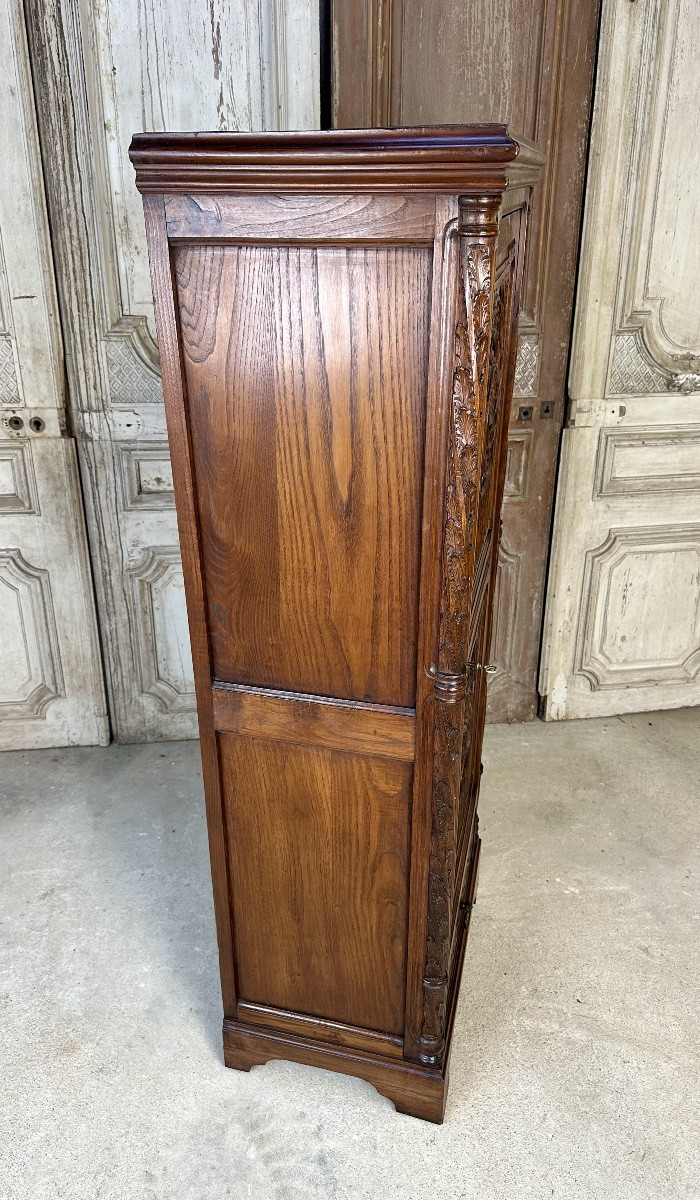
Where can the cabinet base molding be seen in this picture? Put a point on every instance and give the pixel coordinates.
(415, 1090)
(302, 1025)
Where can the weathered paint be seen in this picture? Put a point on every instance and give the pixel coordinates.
(622, 629)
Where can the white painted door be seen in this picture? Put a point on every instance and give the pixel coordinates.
(51, 689)
(622, 630)
(103, 72)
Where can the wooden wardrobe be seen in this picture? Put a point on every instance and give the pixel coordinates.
(336, 319)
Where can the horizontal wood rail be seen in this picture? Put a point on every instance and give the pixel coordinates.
(315, 721)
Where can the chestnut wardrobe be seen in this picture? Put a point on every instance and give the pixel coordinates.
(336, 319)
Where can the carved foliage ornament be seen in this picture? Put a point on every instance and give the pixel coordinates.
(469, 381)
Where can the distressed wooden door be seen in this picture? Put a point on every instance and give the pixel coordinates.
(400, 62)
(51, 690)
(623, 610)
(101, 73)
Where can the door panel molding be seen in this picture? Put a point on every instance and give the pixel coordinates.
(505, 614)
(164, 658)
(649, 459)
(18, 492)
(101, 73)
(30, 639)
(647, 128)
(622, 632)
(52, 691)
(656, 277)
(612, 649)
(518, 464)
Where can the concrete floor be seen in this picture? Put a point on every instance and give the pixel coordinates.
(575, 1064)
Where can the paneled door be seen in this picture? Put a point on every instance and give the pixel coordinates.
(529, 64)
(622, 631)
(51, 690)
(101, 73)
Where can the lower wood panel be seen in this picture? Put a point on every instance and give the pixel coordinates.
(319, 844)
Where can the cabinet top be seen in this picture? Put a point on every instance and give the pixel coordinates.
(438, 158)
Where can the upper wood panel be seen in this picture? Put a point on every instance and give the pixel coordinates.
(298, 218)
(306, 376)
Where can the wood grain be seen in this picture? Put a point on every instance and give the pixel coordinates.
(359, 218)
(319, 852)
(306, 720)
(306, 376)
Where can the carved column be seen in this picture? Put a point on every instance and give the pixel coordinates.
(478, 229)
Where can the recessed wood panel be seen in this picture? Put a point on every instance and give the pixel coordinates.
(647, 459)
(319, 854)
(306, 378)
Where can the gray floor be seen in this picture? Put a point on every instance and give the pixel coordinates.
(575, 1065)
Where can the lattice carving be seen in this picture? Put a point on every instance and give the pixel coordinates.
(631, 373)
(9, 386)
(526, 365)
(131, 381)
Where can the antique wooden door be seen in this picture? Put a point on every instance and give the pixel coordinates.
(623, 609)
(51, 690)
(400, 62)
(101, 73)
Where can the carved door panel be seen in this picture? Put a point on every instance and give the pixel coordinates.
(101, 73)
(622, 631)
(397, 62)
(51, 688)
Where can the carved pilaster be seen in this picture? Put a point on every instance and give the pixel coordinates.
(450, 675)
